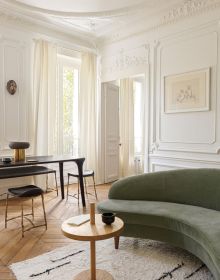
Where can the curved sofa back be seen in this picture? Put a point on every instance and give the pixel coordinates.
(199, 187)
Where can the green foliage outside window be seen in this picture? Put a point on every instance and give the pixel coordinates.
(68, 99)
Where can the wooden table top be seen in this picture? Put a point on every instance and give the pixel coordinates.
(98, 231)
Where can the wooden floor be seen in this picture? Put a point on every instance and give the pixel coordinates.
(14, 248)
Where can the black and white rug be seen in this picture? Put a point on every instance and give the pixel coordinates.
(136, 259)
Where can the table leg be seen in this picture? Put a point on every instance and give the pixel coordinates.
(61, 179)
(79, 163)
(92, 260)
(93, 273)
(116, 238)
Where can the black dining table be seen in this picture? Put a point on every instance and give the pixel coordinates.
(34, 160)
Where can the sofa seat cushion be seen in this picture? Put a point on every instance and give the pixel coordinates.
(200, 224)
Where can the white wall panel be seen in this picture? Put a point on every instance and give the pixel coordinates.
(185, 55)
(14, 122)
(14, 109)
(11, 102)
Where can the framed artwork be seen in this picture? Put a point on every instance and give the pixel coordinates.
(187, 92)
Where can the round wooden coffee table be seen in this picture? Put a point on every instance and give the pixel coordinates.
(93, 232)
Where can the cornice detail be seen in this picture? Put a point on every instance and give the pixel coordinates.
(188, 8)
(93, 25)
(33, 24)
(9, 18)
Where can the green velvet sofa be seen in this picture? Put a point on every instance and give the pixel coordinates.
(181, 207)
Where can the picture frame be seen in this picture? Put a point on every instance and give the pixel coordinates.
(187, 92)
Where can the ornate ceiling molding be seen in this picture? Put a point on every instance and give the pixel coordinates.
(6, 18)
(48, 29)
(103, 27)
(187, 9)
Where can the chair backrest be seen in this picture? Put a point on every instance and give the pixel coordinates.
(200, 187)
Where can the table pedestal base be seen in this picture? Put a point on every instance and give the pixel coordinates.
(100, 275)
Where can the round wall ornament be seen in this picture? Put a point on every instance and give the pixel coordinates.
(11, 87)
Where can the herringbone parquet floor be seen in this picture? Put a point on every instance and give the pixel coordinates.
(14, 248)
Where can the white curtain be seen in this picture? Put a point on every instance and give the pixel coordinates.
(126, 117)
(44, 103)
(44, 98)
(88, 112)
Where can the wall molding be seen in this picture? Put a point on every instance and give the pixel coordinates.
(167, 164)
(206, 161)
(208, 146)
(124, 61)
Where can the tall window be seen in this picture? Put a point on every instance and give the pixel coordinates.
(68, 130)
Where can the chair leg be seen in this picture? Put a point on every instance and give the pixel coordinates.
(6, 210)
(93, 177)
(67, 187)
(45, 218)
(32, 207)
(47, 182)
(22, 219)
(55, 174)
(85, 185)
(78, 192)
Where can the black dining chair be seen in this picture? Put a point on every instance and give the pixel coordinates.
(86, 174)
(25, 193)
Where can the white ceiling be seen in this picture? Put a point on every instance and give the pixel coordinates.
(96, 19)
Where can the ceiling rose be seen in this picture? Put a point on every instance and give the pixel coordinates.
(81, 6)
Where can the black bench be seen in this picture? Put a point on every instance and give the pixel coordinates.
(13, 172)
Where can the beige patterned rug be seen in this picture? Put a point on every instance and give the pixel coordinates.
(136, 259)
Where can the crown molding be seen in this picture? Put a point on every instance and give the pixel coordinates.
(91, 29)
(35, 25)
(187, 9)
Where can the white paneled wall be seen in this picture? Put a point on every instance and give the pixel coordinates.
(14, 108)
(176, 140)
(15, 64)
(195, 131)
